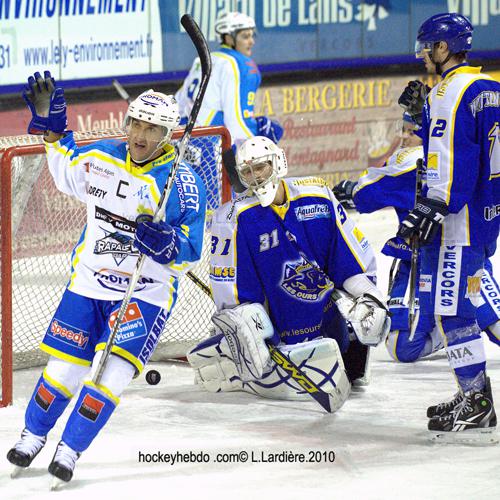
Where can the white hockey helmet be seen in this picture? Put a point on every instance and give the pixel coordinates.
(156, 108)
(229, 23)
(251, 159)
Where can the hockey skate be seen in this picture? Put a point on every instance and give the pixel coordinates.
(24, 451)
(442, 408)
(63, 464)
(471, 421)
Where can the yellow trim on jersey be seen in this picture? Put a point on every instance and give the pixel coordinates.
(96, 153)
(467, 224)
(282, 210)
(452, 132)
(237, 97)
(209, 119)
(103, 389)
(353, 252)
(61, 388)
(362, 185)
(76, 260)
(62, 355)
(235, 262)
(123, 354)
(185, 230)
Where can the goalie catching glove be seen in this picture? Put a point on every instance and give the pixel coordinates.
(367, 315)
(46, 103)
(157, 240)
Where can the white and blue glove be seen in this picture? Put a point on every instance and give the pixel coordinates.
(269, 128)
(46, 103)
(157, 240)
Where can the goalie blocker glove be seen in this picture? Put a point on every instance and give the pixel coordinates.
(343, 192)
(413, 98)
(46, 103)
(157, 240)
(424, 220)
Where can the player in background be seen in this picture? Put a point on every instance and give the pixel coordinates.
(235, 79)
(393, 185)
(277, 252)
(457, 217)
(121, 183)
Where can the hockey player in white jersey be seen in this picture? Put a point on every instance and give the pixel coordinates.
(277, 253)
(121, 184)
(393, 185)
(230, 95)
(456, 218)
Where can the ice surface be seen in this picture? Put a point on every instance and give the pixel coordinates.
(379, 438)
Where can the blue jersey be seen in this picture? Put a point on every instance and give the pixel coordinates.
(230, 96)
(461, 133)
(102, 176)
(271, 255)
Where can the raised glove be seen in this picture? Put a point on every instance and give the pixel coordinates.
(157, 240)
(343, 192)
(269, 128)
(424, 220)
(46, 103)
(413, 99)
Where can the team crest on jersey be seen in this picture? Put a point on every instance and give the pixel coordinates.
(302, 280)
(119, 245)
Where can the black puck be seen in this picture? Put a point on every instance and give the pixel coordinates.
(153, 377)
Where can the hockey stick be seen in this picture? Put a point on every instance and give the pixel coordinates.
(413, 310)
(201, 46)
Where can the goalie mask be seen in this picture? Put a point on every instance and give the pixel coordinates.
(149, 124)
(260, 164)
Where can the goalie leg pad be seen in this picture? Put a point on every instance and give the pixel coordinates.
(320, 360)
(213, 366)
(246, 327)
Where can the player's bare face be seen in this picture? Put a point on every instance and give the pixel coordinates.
(143, 140)
(245, 40)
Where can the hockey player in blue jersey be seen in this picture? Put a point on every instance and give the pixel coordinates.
(457, 217)
(121, 183)
(230, 96)
(393, 185)
(277, 252)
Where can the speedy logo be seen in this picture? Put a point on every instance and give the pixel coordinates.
(68, 334)
(309, 212)
(303, 281)
(133, 325)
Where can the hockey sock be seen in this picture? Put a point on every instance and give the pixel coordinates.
(47, 404)
(90, 414)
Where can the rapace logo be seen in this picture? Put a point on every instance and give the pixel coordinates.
(303, 281)
(117, 244)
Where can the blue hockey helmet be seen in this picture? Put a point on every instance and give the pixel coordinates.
(450, 27)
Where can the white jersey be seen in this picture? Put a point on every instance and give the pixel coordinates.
(230, 95)
(115, 191)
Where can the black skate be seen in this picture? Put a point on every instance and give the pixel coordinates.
(472, 420)
(63, 464)
(442, 408)
(25, 450)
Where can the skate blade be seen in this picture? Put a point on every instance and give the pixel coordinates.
(56, 484)
(16, 471)
(473, 437)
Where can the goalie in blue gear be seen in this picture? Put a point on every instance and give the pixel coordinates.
(108, 176)
(278, 251)
(456, 218)
(230, 95)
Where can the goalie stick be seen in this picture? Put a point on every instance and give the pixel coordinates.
(201, 46)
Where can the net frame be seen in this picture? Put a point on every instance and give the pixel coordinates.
(22, 146)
